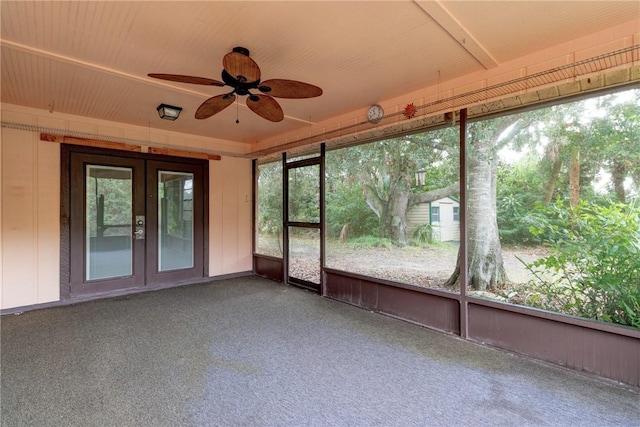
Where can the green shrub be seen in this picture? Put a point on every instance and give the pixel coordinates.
(593, 269)
(367, 242)
(520, 188)
(423, 234)
(345, 205)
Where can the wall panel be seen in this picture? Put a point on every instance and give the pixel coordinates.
(30, 219)
(18, 226)
(230, 216)
(427, 307)
(216, 177)
(245, 220)
(48, 221)
(602, 349)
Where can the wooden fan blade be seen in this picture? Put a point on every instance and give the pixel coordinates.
(281, 88)
(214, 105)
(266, 107)
(238, 64)
(187, 79)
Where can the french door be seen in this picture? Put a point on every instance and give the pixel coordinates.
(134, 222)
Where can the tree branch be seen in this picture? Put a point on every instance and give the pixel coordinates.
(372, 199)
(431, 195)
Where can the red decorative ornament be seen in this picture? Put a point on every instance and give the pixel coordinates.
(410, 110)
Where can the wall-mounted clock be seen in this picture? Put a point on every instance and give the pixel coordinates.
(375, 114)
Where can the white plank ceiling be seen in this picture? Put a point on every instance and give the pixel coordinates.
(91, 58)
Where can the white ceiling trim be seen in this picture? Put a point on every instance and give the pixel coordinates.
(451, 25)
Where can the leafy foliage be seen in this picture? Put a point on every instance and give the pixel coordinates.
(269, 209)
(116, 195)
(423, 233)
(519, 191)
(345, 205)
(367, 242)
(270, 198)
(383, 174)
(587, 150)
(304, 194)
(593, 270)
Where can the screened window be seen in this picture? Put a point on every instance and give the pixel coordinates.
(269, 210)
(378, 213)
(565, 186)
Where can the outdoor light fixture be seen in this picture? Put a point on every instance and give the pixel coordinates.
(168, 112)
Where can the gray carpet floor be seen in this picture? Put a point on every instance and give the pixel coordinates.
(249, 352)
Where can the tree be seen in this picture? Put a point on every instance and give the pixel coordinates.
(565, 127)
(521, 188)
(385, 170)
(269, 209)
(614, 137)
(572, 137)
(486, 138)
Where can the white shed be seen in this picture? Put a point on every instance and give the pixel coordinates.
(443, 215)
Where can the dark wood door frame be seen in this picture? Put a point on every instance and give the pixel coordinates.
(68, 251)
(78, 244)
(154, 276)
(320, 226)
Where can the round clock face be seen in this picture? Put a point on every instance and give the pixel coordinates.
(375, 114)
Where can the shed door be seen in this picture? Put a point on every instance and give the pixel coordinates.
(447, 226)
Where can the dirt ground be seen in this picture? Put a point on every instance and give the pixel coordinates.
(422, 266)
(429, 267)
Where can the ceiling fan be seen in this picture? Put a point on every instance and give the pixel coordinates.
(243, 75)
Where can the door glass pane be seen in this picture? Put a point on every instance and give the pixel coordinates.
(175, 220)
(108, 220)
(304, 194)
(304, 254)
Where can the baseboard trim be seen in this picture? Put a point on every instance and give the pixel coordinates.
(120, 293)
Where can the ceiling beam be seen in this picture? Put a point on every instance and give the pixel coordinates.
(451, 25)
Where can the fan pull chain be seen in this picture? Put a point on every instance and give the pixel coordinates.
(237, 108)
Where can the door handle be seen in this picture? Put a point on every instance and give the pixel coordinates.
(139, 233)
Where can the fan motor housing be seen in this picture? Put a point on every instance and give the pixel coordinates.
(242, 50)
(240, 84)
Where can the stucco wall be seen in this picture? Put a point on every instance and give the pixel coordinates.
(30, 210)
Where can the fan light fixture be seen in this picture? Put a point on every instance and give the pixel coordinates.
(168, 112)
(242, 75)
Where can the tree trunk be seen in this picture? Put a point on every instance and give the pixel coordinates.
(618, 175)
(486, 267)
(550, 187)
(394, 221)
(635, 176)
(485, 263)
(574, 178)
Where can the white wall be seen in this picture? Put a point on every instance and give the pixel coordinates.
(30, 209)
(230, 248)
(30, 220)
